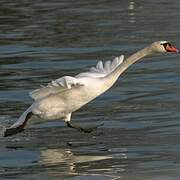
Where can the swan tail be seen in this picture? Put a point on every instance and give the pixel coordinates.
(19, 125)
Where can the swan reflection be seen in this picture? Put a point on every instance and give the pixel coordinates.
(56, 156)
(65, 159)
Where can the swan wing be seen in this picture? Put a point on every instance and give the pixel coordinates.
(102, 69)
(56, 86)
(67, 82)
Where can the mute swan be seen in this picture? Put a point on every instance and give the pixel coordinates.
(67, 94)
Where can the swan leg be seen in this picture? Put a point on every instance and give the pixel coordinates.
(85, 128)
(14, 130)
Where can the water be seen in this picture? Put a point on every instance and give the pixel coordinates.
(41, 41)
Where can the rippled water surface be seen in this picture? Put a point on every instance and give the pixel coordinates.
(44, 40)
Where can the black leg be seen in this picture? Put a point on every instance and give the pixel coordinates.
(20, 128)
(86, 129)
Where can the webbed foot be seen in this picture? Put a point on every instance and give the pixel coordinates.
(4, 132)
(85, 128)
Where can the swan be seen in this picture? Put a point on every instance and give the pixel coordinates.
(63, 96)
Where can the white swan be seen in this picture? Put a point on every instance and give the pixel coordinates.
(67, 94)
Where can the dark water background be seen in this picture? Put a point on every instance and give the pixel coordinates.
(44, 40)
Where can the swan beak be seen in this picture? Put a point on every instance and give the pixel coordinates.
(171, 49)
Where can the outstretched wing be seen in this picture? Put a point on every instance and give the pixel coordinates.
(102, 70)
(56, 86)
(68, 82)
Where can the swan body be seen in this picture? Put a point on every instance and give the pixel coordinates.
(61, 97)
(67, 94)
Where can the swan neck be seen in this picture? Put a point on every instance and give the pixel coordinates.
(135, 57)
(132, 59)
(129, 61)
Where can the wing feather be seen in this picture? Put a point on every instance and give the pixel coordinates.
(101, 70)
(56, 86)
(68, 82)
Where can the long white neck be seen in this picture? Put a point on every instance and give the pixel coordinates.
(112, 77)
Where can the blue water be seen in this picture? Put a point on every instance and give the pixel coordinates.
(41, 41)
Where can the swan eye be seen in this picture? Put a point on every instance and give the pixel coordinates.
(167, 45)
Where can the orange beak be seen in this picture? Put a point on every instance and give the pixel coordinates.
(171, 49)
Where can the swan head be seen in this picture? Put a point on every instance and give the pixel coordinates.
(163, 46)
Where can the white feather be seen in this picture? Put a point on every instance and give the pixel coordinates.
(99, 66)
(68, 82)
(101, 69)
(55, 86)
(107, 66)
